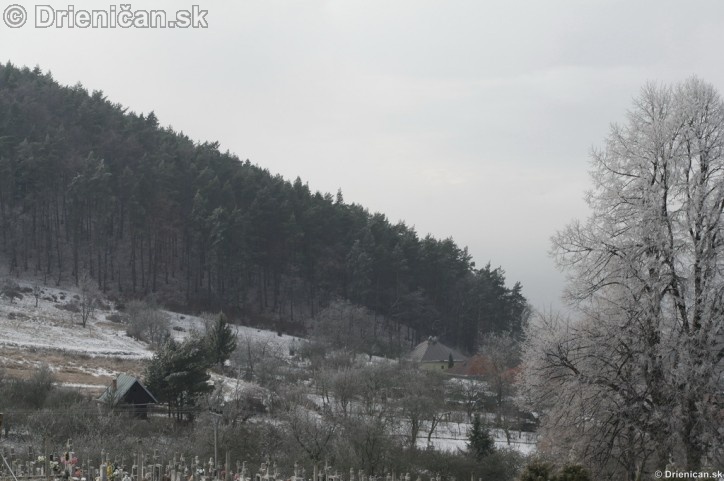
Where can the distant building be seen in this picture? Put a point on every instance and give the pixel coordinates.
(434, 355)
(127, 394)
(482, 367)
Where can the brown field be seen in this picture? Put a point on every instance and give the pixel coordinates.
(67, 368)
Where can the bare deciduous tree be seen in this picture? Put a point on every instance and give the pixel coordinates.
(345, 387)
(89, 298)
(469, 392)
(37, 292)
(638, 375)
(346, 326)
(421, 400)
(501, 353)
(147, 322)
(312, 432)
(258, 359)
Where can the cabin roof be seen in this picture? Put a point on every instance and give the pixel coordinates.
(124, 383)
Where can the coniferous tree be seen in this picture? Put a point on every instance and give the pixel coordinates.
(480, 442)
(177, 375)
(86, 186)
(220, 341)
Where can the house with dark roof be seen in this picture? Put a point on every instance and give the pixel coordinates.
(126, 393)
(434, 355)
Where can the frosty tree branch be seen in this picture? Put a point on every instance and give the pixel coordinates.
(633, 382)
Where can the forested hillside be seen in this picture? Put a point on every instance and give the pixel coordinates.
(89, 188)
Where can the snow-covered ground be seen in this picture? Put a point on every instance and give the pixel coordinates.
(182, 325)
(88, 357)
(49, 326)
(453, 436)
(450, 436)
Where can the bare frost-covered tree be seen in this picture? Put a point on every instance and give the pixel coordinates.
(258, 359)
(421, 402)
(37, 292)
(89, 297)
(633, 383)
(501, 352)
(312, 432)
(146, 321)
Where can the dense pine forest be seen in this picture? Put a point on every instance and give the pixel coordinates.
(88, 188)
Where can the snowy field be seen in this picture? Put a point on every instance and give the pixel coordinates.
(182, 325)
(88, 357)
(50, 326)
(450, 436)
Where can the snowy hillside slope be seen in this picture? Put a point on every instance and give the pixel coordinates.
(182, 325)
(87, 357)
(51, 326)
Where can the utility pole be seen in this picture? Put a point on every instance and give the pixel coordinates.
(217, 416)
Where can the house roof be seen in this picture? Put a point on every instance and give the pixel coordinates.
(124, 383)
(480, 366)
(433, 350)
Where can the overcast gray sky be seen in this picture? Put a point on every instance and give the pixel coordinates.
(470, 119)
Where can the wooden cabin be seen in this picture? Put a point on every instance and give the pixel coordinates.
(127, 394)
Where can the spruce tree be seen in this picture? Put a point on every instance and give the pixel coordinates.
(177, 375)
(220, 341)
(480, 442)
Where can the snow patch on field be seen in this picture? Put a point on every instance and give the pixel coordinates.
(49, 326)
(451, 437)
(183, 325)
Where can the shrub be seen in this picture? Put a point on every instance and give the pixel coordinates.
(146, 322)
(11, 290)
(28, 393)
(70, 307)
(538, 470)
(573, 472)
